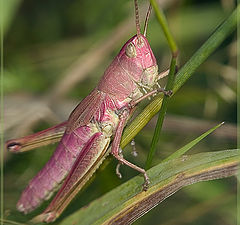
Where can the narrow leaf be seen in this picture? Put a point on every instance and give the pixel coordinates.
(188, 146)
(164, 24)
(161, 116)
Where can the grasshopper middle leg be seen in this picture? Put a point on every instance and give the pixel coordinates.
(115, 148)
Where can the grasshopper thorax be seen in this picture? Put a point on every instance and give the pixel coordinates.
(137, 59)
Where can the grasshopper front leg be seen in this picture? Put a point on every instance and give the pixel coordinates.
(132, 104)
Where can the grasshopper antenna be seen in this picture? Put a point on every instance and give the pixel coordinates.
(137, 19)
(147, 19)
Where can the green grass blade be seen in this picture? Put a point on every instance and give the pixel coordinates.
(161, 116)
(8, 13)
(127, 202)
(188, 146)
(174, 49)
(164, 24)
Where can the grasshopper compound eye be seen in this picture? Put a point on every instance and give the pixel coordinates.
(131, 50)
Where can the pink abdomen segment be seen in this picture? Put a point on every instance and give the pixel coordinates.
(43, 185)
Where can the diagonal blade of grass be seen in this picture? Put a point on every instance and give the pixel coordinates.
(9, 9)
(188, 146)
(127, 202)
(164, 24)
(161, 116)
(174, 49)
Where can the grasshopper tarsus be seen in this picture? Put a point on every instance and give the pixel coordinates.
(118, 171)
(165, 92)
(146, 182)
(168, 93)
(119, 164)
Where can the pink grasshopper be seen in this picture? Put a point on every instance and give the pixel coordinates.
(90, 127)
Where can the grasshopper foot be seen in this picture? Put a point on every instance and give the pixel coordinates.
(165, 92)
(118, 170)
(168, 93)
(146, 183)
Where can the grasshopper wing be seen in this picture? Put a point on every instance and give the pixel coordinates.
(80, 116)
(85, 110)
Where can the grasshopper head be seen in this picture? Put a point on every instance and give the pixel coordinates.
(137, 59)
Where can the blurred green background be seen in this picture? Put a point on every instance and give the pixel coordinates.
(56, 51)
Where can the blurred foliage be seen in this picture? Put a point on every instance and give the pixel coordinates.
(41, 42)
